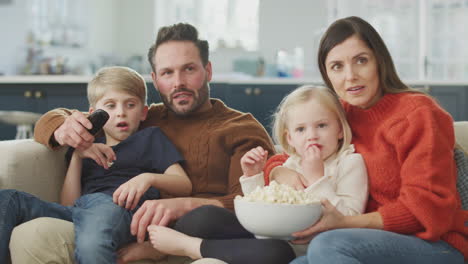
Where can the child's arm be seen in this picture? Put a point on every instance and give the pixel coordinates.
(173, 181)
(349, 194)
(288, 176)
(71, 189)
(252, 163)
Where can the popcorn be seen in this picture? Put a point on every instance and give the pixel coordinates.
(279, 193)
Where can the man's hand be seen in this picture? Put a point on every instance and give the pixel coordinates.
(253, 161)
(128, 194)
(157, 212)
(102, 154)
(289, 177)
(73, 132)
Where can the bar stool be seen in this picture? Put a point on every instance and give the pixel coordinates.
(23, 121)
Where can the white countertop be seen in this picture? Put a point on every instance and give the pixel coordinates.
(216, 79)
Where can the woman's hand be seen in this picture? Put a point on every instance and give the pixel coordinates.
(331, 219)
(253, 161)
(289, 177)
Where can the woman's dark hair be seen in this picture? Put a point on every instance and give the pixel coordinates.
(179, 32)
(344, 28)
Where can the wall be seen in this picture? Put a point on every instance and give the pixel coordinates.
(119, 28)
(287, 24)
(136, 31)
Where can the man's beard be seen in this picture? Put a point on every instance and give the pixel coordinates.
(198, 100)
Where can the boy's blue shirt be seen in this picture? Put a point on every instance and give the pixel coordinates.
(147, 150)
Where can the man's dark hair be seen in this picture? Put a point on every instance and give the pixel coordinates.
(179, 32)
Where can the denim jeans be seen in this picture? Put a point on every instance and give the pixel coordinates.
(368, 246)
(101, 226)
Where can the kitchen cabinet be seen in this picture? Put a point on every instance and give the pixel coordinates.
(453, 99)
(39, 98)
(42, 97)
(261, 100)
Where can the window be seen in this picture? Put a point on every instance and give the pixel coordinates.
(57, 23)
(229, 23)
(427, 38)
(396, 21)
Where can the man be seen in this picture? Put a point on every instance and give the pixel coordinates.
(211, 137)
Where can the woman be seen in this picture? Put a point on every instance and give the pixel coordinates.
(407, 140)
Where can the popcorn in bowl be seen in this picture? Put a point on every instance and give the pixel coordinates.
(277, 211)
(279, 194)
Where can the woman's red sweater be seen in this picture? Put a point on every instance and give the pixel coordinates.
(407, 141)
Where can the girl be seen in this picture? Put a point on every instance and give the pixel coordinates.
(311, 127)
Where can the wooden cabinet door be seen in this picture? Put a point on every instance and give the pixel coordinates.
(15, 97)
(261, 100)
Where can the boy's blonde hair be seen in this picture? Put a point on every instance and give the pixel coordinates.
(116, 78)
(301, 95)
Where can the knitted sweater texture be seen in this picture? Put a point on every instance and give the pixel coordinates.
(407, 141)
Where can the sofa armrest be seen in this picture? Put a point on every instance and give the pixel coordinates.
(29, 166)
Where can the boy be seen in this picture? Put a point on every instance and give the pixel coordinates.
(100, 198)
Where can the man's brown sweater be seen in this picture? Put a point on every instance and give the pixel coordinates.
(211, 142)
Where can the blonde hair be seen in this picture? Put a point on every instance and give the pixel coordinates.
(116, 78)
(301, 95)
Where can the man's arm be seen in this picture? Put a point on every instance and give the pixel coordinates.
(64, 127)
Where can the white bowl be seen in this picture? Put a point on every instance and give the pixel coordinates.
(279, 221)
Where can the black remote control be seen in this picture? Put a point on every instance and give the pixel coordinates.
(98, 118)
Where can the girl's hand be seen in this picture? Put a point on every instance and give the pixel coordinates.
(312, 164)
(102, 154)
(128, 194)
(331, 219)
(289, 177)
(253, 161)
